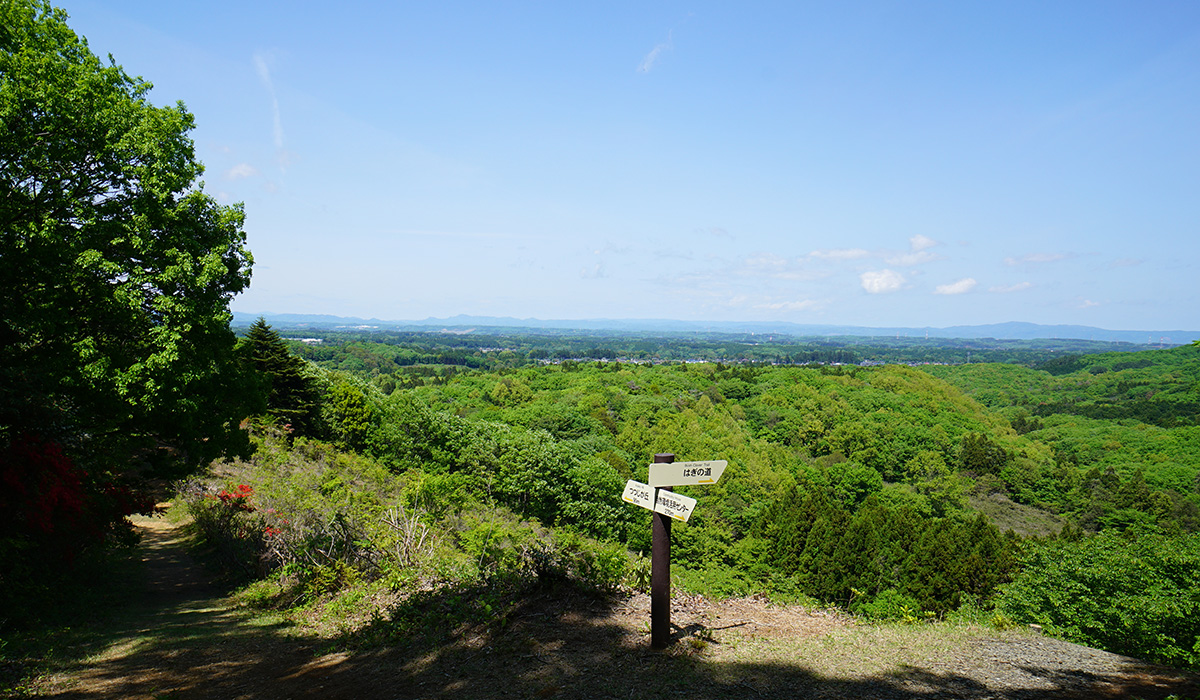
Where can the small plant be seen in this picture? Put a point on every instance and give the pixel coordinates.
(893, 605)
(637, 576)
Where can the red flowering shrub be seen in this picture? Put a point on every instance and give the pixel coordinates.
(228, 523)
(51, 511)
(237, 499)
(41, 490)
(46, 498)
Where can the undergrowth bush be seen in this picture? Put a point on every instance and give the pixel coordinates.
(1131, 593)
(313, 522)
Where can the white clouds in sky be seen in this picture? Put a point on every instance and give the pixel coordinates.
(800, 305)
(241, 170)
(1036, 258)
(777, 267)
(264, 74)
(596, 272)
(909, 259)
(1005, 289)
(918, 254)
(920, 242)
(960, 287)
(841, 254)
(651, 58)
(882, 281)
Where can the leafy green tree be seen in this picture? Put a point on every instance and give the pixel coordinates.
(290, 390)
(931, 477)
(349, 415)
(117, 268)
(116, 272)
(851, 483)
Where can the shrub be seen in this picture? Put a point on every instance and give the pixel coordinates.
(52, 514)
(1131, 593)
(891, 604)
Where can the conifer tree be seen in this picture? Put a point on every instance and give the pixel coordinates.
(290, 391)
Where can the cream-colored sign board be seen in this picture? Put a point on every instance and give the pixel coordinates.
(639, 494)
(686, 473)
(675, 505)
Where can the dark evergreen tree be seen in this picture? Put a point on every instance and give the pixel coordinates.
(982, 456)
(290, 390)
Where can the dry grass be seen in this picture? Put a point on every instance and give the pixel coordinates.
(1024, 520)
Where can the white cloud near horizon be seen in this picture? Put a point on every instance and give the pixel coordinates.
(881, 281)
(799, 305)
(917, 254)
(960, 287)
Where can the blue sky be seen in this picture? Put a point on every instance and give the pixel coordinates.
(867, 163)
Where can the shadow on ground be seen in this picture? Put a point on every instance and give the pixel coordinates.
(186, 642)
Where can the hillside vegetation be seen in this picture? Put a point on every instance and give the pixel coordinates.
(864, 487)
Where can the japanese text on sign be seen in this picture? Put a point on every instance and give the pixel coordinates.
(686, 473)
(639, 494)
(674, 505)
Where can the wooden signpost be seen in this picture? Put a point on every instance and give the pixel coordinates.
(667, 505)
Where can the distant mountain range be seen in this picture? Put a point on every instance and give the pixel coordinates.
(484, 324)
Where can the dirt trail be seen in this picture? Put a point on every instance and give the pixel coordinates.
(183, 639)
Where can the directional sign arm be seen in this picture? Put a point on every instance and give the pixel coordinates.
(687, 473)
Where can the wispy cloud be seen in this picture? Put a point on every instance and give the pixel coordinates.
(448, 235)
(1036, 258)
(909, 259)
(674, 254)
(1127, 262)
(882, 281)
(798, 305)
(241, 170)
(775, 266)
(1006, 289)
(841, 254)
(917, 254)
(920, 242)
(651, 58)
(960, 287)
(264, 74)
(612, 248)
(595, 272)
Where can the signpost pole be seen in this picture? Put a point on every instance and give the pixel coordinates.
(660, 573)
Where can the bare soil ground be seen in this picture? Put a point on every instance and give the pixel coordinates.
(184, 639)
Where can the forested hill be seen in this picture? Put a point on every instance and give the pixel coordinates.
(1134, 415)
